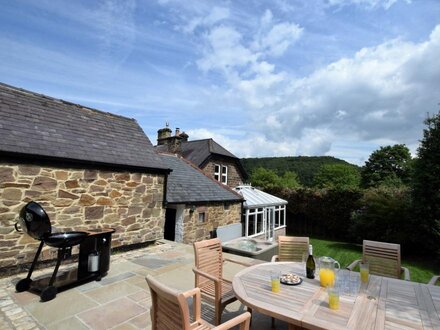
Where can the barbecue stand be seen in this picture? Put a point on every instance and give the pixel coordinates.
(94, 253)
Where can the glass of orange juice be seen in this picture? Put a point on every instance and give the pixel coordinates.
(333, 297)
(364, 271)
(275, 281)
(327, 277)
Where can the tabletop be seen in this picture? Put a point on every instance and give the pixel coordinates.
(384, 304)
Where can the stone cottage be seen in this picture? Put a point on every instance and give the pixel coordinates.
(89, 169)
(214, 160)
(196, 203)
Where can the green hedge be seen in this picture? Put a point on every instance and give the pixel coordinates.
(320, 212)
(381, 214)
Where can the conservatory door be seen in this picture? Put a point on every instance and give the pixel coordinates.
(269, 223)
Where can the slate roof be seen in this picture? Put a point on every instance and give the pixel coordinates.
(199, 150)
(40, 126)
(187, 184)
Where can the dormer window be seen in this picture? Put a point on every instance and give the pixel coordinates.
(221, 173)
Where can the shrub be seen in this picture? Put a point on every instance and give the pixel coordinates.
(384, 215)
(319, 212)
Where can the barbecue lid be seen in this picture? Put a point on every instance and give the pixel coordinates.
(34, 221)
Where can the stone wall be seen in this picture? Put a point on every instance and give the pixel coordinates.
(234, 176)
(78, 199)
(217, 214)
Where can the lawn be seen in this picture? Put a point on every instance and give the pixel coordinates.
(421, 270)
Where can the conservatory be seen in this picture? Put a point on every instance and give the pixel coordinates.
(264, 215)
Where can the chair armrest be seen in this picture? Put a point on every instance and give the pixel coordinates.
(405, 272)
(353, 264)
(275, 258)
(242, 319)
(206, 275)
(243, 263)
(195, 293)
(434, 280)
(191, 293)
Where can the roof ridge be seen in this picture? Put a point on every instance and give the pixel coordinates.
(35, 94)
(210, 145)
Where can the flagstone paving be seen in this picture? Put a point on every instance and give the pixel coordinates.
(121, 300)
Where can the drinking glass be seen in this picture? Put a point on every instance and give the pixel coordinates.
(275, 281)
(333, 297)
(343, 281)
(364, 271)
(354, 283)
(305, 256)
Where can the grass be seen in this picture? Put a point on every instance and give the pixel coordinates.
(421, 270)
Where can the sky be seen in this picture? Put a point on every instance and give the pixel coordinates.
(263, 78)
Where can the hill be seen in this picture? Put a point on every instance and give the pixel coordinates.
(305, 167)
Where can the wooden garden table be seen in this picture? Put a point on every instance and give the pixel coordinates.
(385, 304)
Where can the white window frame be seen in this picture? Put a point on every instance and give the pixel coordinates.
(281, 222)
(254, 212)
(217, 171)
(224, 175)
(219, 175)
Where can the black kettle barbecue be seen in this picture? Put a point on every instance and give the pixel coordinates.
(92, 264)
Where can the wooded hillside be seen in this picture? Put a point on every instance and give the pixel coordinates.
(305, 167)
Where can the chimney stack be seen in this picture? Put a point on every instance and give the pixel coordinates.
(172, 142)
(163, 135)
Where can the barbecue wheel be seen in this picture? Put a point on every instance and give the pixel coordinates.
(23, 285)
(48, 293)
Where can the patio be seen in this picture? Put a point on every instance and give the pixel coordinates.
(121, 300)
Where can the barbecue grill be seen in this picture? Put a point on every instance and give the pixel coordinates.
(94, 252)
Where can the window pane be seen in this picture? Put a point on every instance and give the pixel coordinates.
(217, 177)
(224, 169)
(202, 217)
(282, 219)
(277, 218)
(251, 228)
(259, 222)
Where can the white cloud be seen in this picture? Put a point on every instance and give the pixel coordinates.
(379, 96)
(225, 51)
(252, 78)
(216, 15)
(386, 4)
(280, 37)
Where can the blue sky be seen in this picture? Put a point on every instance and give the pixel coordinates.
(263, 78)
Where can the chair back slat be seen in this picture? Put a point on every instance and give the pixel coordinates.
(383, 258)
(209, 259)
(292, 248)
(166, 312)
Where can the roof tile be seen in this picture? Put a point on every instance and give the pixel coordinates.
(47, 126)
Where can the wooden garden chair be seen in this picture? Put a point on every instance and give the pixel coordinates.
(291, 248)
(383, 259)
(170, 310)
(208, 272)
(434, 280)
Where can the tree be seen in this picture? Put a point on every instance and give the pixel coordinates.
(264, 178)
(390, 165)
(426, 186)
(384, 215)
(290, 180)
(268, 179)
(337, 176)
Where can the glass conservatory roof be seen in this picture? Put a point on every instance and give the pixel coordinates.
(256, 198)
